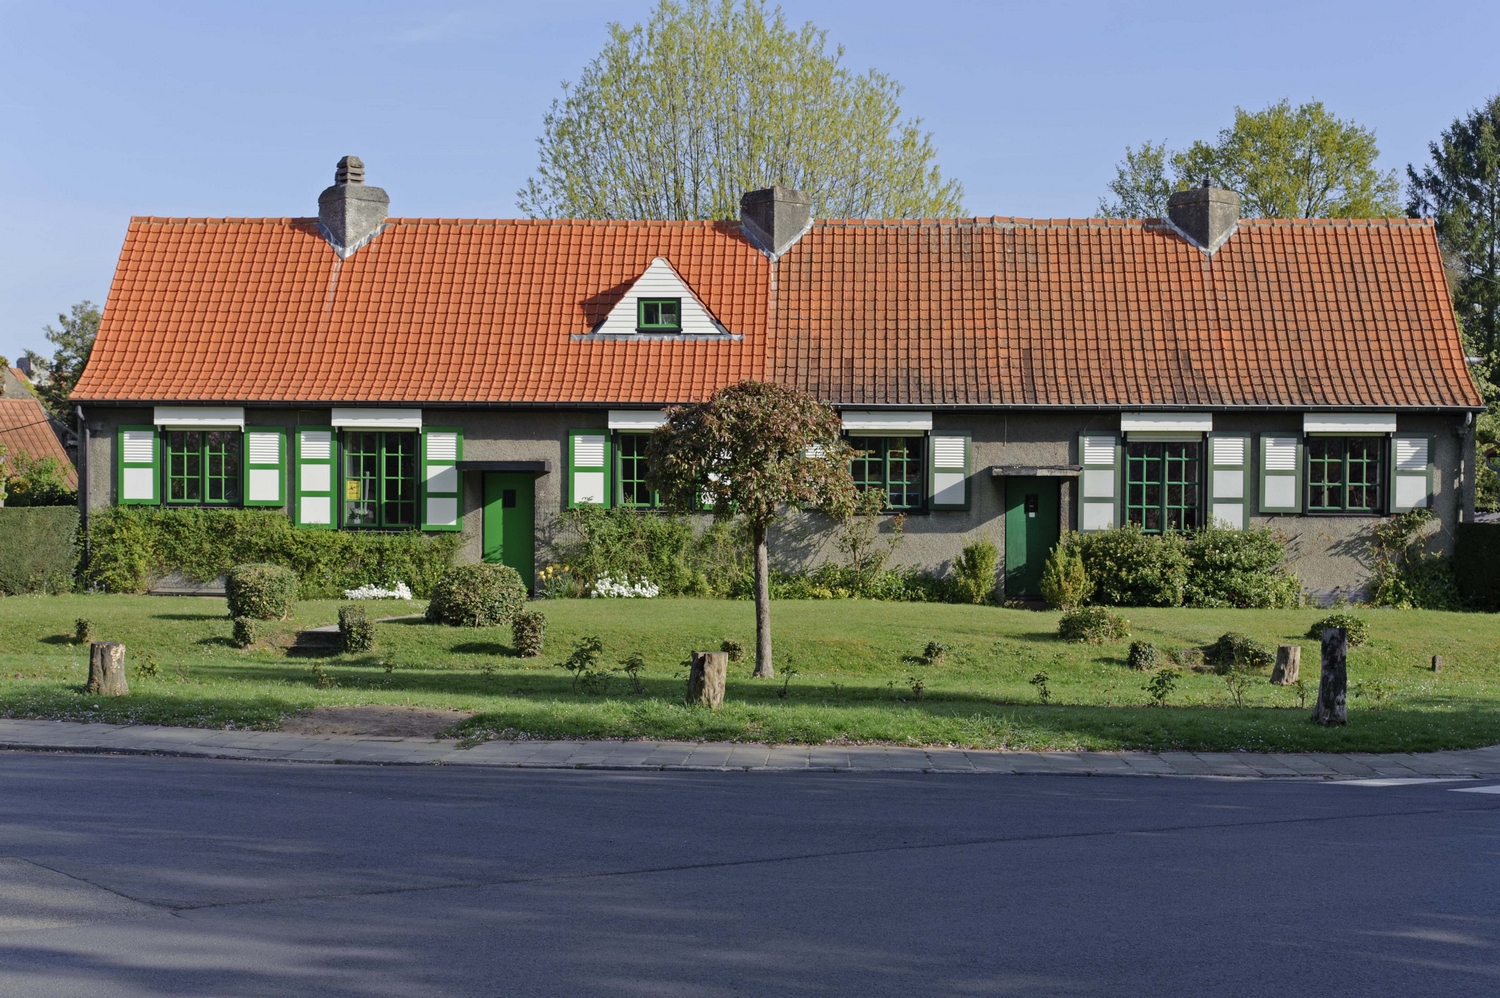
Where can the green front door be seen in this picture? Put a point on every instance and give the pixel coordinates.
(1031, 524)
(510, 522)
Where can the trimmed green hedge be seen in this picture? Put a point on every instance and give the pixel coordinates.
(131, 544)
(38, 549)
(1476, 563)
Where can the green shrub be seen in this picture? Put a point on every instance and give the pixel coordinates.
(527, 628)
(1065, 582)
(1129, 567)
(477, 596)
(1143, 656)
(131, 545)
(733, 649)
(262, 591)
(595, 541)
(38, 549)
(244, 632)
(83, 631)
(1094, 624)
(1236, 651)
(356, 631)
(1239, 568)
(1407, 577)
(974, 570)
(1356, 626)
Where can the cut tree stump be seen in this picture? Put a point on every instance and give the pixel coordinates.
(1437, 663)
(1288, 665)
(107, 669)
(1333, 684)
(706, 679)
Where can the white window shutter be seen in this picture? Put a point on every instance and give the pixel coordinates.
(948, 470)
(1281, 461)
(1099, 485)
(588, 468)
(442, 483)
(1411, 471)
(1228, 480)
(317, 450)
(138, 461)
(265, 466)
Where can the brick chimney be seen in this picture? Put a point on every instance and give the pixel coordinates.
(349, 213)
(1206, 215)
(774, 218)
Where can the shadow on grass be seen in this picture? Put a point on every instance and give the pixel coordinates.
(188, 616)
(57, 639)
(484, 648)
(221, 642)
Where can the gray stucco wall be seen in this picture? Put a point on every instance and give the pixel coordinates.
(1330, 553)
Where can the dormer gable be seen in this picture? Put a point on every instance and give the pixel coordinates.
(660, 303)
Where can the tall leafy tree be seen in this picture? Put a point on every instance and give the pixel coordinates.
(1283, 161)
(679, 117)
(74, 339)
(754, 450)
(1460, 190)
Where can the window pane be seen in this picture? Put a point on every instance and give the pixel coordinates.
(904, 471)
(650, 313)
(221, 457)
(399, 480)
(361, 479)
(633, 488)
(184, 466)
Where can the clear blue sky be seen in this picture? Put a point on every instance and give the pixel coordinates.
(109, 110)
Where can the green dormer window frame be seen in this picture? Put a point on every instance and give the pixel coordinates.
(658, 315)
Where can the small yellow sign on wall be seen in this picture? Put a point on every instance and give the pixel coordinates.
(351, 490)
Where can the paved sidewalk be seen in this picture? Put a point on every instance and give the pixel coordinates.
(69, 736)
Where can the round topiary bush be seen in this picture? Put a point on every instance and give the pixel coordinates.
(527, 628)
(356, 630)
(261, 591)
(477, 596)
(1143, 656)
(1356, 626)
(1094, 624)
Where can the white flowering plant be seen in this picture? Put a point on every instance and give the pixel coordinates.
(401, 591)
(622, 588)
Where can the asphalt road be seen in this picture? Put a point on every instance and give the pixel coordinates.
(131, 876)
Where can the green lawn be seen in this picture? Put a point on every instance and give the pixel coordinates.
(854, 668)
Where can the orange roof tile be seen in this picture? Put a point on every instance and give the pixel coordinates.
(25, 429)
(1000, 311)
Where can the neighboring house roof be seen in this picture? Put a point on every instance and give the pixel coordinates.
(1003, 312)
(26, 429)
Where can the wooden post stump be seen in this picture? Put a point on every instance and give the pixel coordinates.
(1333, 684)
(1437, 663)
(1288, 665)
(706, 679)
(107, 669)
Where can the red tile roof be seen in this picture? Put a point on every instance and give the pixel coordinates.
(1008, 312)
(25, 429)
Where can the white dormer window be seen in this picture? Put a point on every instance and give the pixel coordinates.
(660, 303)
(658, 315)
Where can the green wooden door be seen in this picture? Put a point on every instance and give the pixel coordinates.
(510, 522)
(1031, 531)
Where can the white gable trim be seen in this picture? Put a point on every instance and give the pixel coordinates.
(200, 417)
(1166, 422)
(378, 419)
(660, 281)
(1349, 422)
(897, 423)
(636, 419)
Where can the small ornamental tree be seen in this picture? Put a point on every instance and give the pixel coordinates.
(753, 450)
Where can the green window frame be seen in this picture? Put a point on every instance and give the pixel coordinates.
(893, 465)
(1164, 485)
(631, 471)
(1345, 474)
(658, 315)
(203, 467)
(379, 479)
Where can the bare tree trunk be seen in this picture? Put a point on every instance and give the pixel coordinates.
(763, 667)
(1288, 665)
(706, 679)
(107, 669)
(1333, 684)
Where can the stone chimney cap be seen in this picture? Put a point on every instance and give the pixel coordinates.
(775, 217)
(1206, 216)
(350, 214)
(351, 170)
